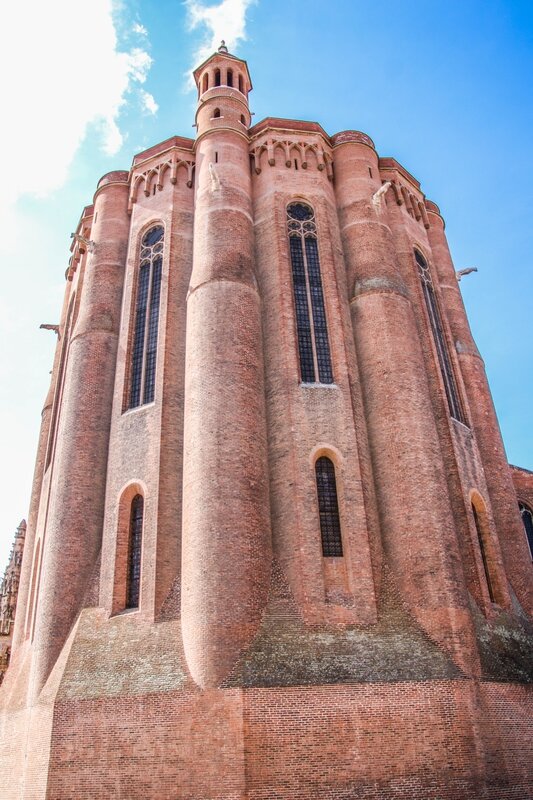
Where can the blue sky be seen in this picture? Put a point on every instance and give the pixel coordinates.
(443, 87)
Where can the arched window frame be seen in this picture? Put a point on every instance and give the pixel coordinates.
(145, 318)
(308, 295)
(527, 520)
(229, 78)
(444, 358)
(328, 507)
(217, 78)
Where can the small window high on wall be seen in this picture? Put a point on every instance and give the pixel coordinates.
(133, 577)
(311, 323)
(328, 507)
(144, 349)
(441, 345)
(527, 519)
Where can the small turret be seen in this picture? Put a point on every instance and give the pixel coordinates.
(223, 83)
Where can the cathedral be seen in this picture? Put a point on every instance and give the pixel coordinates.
(274, 548)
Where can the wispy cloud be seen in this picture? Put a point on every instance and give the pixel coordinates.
(69, 74)
(225, 20)
(148, 102)
(140, 29)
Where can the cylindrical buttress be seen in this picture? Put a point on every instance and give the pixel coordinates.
(500, 486)
(73, 531)
(416, 518)
(226, 521)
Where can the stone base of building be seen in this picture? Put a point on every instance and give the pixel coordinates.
(123, 719)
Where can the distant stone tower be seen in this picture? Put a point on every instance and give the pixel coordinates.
(274, 547)
(9, 589)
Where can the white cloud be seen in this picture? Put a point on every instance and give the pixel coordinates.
(140, 29)
(67, 73)
(148, 102)
(226, 20)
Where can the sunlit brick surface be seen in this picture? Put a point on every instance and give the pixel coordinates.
(256, 667)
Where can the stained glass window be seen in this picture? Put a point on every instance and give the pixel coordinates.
(311, 323)
(445, 363)
(145, 329)
(328, 507)
(527, 519)
(133, 586)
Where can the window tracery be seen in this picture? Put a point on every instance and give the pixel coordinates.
(441, 345)
(311, 323)
(144, 349)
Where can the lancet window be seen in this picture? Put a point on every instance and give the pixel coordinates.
(311, 323)
(133, 578)
(328, 507)
(144, 349)
(527, 519)
(437, 329)
(483, 549)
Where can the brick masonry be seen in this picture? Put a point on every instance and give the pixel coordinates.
(254, 668)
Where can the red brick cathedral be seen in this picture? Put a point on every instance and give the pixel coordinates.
(274, 549)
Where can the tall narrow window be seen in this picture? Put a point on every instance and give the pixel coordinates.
(241, 87)
(311, 324)
(229, 78)
(483, 550)
(144, 349)
(133, 584)
(328, 507)
(445, 363)
(217, 77)
(527, 519)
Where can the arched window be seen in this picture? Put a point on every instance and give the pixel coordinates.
(241, 87)
(205, 82)
(311, 324)
(133, 577)
(445, 363)
(217, 77)
(144, 349)
(481, 536)
(243, 119)
(216, 113)
(328, 507)
(527, 519)
(229, 78)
